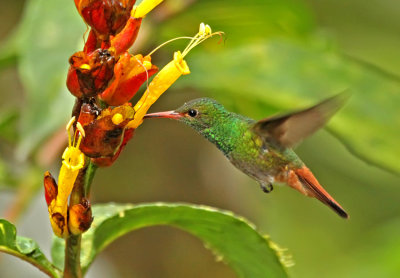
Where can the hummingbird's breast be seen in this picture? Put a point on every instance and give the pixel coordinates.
(258, 159)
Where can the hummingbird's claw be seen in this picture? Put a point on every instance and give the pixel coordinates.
(266, 187)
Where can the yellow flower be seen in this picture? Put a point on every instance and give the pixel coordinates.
(144, 8)
(168, 75)
(73, 161)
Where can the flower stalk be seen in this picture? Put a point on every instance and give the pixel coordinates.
(81, 190)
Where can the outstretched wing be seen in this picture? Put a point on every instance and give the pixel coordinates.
(290, 129)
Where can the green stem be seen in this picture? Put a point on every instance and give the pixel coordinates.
(90, 172)
(72, 263)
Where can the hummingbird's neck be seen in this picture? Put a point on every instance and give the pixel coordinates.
(212, 135)
(227, 133)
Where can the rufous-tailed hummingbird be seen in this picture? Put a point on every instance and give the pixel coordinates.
(262, 149)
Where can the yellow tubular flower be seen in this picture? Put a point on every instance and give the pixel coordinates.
(163, 80)
(168, 75)
(73, 161)
(144, 8)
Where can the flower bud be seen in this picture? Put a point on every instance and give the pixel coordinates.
(50, 188)
(80, 217)
(106, 17)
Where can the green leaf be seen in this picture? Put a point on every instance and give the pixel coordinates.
(9, 49)
(8, 135)
(7, 177)
(50, 32)
(284, 75)
(8, 124)
(24, 248)
(243, 21)
(230, 237)
(8, 54)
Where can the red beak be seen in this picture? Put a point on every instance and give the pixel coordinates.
(167, 114)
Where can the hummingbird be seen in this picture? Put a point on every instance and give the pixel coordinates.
(263, 149)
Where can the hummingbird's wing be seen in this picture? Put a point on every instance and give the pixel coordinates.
(290, 129)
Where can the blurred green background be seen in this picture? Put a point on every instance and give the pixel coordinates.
(277, 55)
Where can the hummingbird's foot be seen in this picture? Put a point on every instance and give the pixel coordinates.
(266, 187)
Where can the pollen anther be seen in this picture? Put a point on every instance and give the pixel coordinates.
(117, 119)
(85, 66)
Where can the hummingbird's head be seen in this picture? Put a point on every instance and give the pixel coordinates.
(199, 113)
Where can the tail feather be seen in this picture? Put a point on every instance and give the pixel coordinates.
(314, 189)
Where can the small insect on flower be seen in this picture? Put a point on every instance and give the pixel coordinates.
(73, 161)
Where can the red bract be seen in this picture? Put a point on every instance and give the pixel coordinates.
(129, 74)
(124, 39)
(88, 113)
(93, 43)
(89, 74)
(105, 135)
(120, 43)
(50, 188)
(108, 161)
(106, 17)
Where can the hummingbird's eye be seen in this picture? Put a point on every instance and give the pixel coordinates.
(192, 113)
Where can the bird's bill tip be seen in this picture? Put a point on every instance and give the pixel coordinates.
(167, 114)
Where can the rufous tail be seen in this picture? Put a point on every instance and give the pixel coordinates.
(304, 181)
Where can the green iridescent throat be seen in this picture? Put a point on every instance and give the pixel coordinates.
(226, 134)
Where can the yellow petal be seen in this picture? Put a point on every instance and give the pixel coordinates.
(163, 80)
(145, 7)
